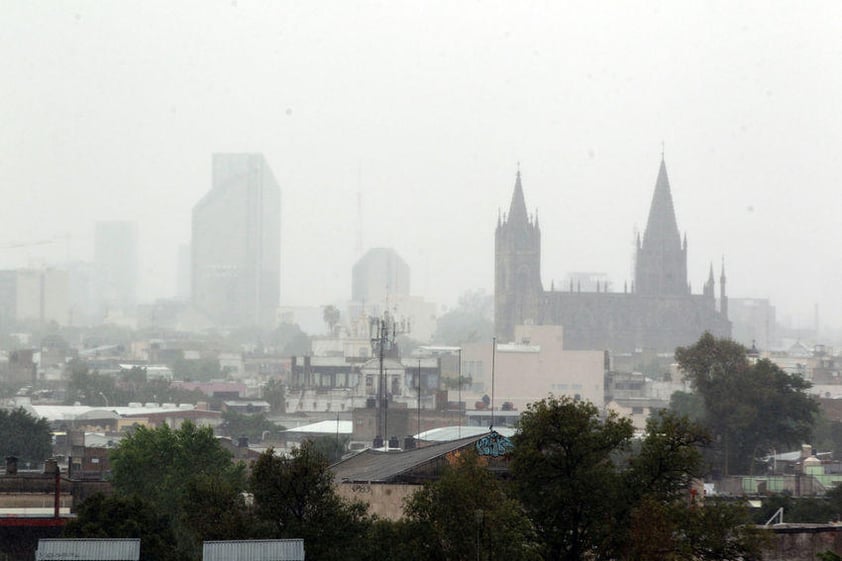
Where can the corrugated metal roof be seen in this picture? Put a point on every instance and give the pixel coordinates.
(446, 434)
(86, 549)
(382, 467)
(254, 550)
(326, 427)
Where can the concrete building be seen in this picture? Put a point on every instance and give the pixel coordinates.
(116, 264)
(754, 322)
(236, 244)
(535, 365)
(658, 311)
(379, 275)
(34, 295)
(380, 282)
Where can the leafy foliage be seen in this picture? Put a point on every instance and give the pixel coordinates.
(251, 426)
(157, 463)
(290, 340)
(591, 497)
(126, 517)
(468, 500)
(179, 479)
(469, 322)
(749, 408)
(214, 509)
(24, 436)
(274, 393)
(564, 474)
(331, 316)
(294, 497)
(330, 447)
(198, 370)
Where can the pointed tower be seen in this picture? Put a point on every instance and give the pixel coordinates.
(517, 268)
(661, 261)
(710, 289)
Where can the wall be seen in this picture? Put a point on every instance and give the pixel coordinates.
(384, 500)
(803, 542)
(535, 366)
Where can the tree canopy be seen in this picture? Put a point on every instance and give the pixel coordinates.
(24, 436)
(593, 493)
(564, 473)
(157, 463)
(749, 407)
(470, 321)
(294, 497)
(177, 470)
(120, 516)
(467, 513)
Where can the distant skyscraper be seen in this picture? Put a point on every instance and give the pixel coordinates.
(116, 263)
(380, 274)
(236, 255)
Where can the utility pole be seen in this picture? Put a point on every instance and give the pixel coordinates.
(384, 332)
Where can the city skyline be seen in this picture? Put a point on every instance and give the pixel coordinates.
(382, 132)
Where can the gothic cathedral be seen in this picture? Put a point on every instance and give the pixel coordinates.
(659, 312)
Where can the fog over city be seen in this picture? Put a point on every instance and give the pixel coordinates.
(402, 124)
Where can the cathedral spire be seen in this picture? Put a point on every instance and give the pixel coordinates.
(661, 265)
(662, 228)
(517, 210)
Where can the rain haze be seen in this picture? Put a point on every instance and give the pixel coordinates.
(403, 125)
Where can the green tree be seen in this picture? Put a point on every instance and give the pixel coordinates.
(251, 426)
(24, 436)
(170, 469)
(198, 370)
(120, 516)
(157, 463)
(290, 340)
(592, 495)
(331, 315)
(465, 515)
(564, 474)
(677, 531)
(331, 447)
(213, 509)
(660, 518)
(294, 497)
(274, 392)
(470, 321)
(750, 408)
(89, 388)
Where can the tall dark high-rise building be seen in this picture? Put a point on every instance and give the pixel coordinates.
(658, 312)
(236, 255)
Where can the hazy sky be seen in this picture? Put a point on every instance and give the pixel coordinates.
(111, 110)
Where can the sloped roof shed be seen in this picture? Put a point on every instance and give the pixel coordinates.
(254, 550)
(88, 549)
